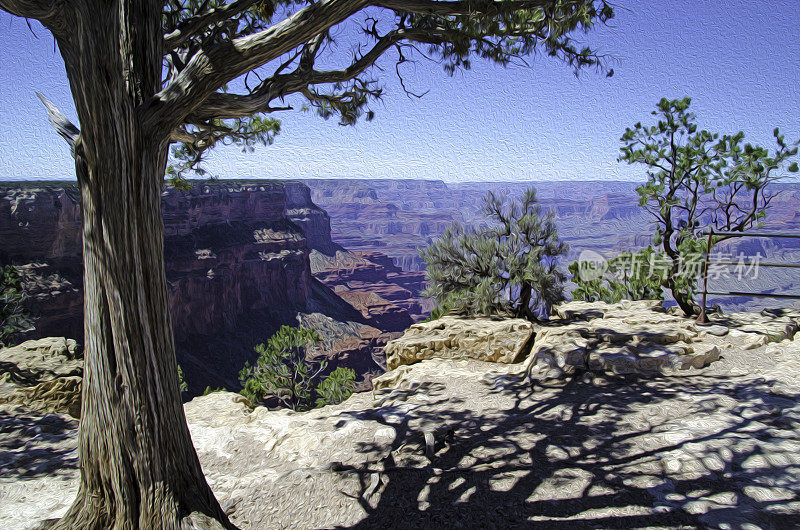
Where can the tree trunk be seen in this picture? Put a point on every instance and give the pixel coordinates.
(684, 300)
(524, 309)
(138, 466)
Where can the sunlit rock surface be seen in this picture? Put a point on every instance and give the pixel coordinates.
(449, 337)
(44, 375)
(466, 444)
(642, 338)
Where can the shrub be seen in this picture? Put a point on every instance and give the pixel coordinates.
(437, 313)
(281, 370)
(337, 387)
(13, 315)
(630, 276)
(181, 380)
(509, 267)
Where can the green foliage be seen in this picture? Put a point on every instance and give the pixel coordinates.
(437, 312)
(210, 390)
(499, 32)
(510, 267)
(243, 132)
(282, 370)
(182, 384)
(13, 315)
(697, 179)
(629, 276)
(337, 387)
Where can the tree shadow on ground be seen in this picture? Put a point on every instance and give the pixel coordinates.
(33, 446)
(668, 451)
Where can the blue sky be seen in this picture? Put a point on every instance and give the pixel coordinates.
(738, 60)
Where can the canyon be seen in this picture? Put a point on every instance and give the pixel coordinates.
(237, 266)
(340, 255)
(397, 217)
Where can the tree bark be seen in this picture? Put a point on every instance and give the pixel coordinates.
(138, 466)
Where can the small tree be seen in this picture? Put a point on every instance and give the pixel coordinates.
(510, 266)
(282, 370)
(337, 387)
(629, 276)
(13, 315)
(695, 179)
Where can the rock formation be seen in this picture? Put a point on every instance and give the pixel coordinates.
(237, 265)
(388, 297)
(450, 337)
(45, 375)
(460, 443)
(642, 338)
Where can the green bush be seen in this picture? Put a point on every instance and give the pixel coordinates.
(509, 267)
(182, 384)
(282, 371)
(337, 387)
(437, 313)
(13, 315)
(630, 276)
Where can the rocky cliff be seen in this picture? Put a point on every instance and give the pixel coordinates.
(398, 217)
(454, 442)
(237, 265)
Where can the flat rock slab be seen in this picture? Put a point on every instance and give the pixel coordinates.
(640, 337)
(481, 339)
(43, 374)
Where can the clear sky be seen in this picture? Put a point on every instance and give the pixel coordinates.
(738, 60)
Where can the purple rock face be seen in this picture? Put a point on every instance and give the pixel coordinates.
(229, 249)
(237, 266)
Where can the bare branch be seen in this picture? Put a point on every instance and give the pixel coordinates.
(61, 124)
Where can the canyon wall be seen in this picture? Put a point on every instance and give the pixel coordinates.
(397, 218)
(237, 266)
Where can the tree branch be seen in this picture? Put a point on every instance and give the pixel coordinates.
(209, 69)
(191, 27)
(61, 124)
(40, 10)
(224, 106)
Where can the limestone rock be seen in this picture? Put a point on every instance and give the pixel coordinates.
(630, 337)
(589, 310)
(482, 339)
(43, 359)
(43, 374)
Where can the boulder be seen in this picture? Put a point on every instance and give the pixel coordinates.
(630, 337)
(450, 337)
(43, 374)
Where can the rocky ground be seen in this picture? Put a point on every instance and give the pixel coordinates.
(464, 443)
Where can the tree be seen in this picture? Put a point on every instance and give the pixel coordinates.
(281, 370)
(13, 315)
(696, 179)
(508, 267)
(629, 276)
(145, 74)
(337, 387)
